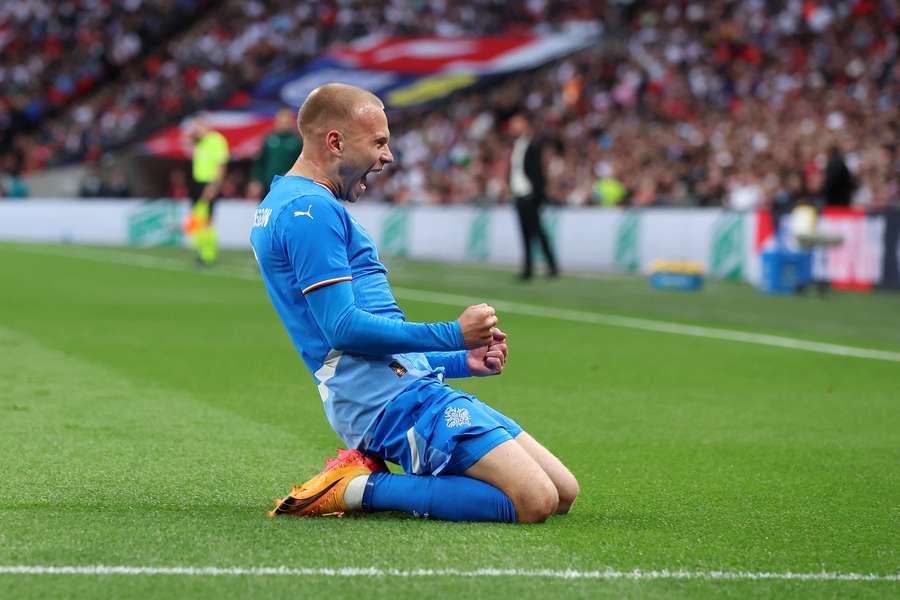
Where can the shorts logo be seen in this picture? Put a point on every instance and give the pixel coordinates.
(457, 417)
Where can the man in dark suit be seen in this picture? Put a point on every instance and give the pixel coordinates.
(839, 184)
(526, 182)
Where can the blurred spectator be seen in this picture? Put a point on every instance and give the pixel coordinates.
(279, 151)
(11, 183)
(787, 194)
(607, 189)
(744, 192)
(234, 185)
(837, 190)
(115, 185)
(103, 179)
(178, 185)
(91, 184)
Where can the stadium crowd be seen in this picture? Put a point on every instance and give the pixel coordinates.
(54, 53)
(728, 102)
(718, 103)
(231, 47)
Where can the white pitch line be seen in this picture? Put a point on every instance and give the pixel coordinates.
(544, 312)
(579, 316)
(635, 575)
(132, 259)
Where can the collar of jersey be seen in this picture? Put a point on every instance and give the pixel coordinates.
(324, 184)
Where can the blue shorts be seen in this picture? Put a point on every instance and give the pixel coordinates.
(431, 429)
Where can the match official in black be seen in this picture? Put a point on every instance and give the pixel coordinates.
(526, 182)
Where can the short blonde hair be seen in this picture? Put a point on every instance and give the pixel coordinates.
(333, 105)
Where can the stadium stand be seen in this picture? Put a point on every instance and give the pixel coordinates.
(231, 47)
(723, 103)
(55, 53)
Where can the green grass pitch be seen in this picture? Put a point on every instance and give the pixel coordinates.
(150, 412)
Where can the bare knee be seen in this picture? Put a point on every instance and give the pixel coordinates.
(537, 503)
(568, 491)
(512, 470)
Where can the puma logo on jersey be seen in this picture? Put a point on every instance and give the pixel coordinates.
(304, 213)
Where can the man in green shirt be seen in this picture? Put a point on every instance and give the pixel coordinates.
(279, 152)
(208, 164)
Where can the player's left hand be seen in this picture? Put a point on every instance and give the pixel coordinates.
(490, 359)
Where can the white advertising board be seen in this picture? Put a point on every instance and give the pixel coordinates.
(585, 239)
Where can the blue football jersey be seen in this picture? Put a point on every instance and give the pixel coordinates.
(304, 239)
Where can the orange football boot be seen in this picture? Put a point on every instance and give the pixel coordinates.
(323, 495)
(355, 457)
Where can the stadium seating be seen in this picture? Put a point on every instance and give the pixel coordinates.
(54, 53)
(722, 103)
(232, 46)
(714, 104)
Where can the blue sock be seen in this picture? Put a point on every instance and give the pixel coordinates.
(448, 498)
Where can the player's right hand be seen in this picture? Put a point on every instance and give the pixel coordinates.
(477, 323)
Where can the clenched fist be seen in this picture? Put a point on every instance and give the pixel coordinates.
(477, 323)
(490, 359)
